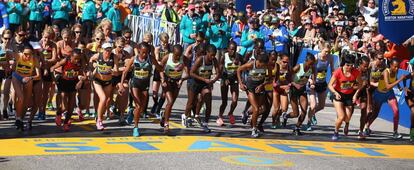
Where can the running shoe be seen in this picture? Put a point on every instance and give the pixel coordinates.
(274, 126)
(260, 128)
(335, 136)
(5, 115)
(130, 118)
(220, 121)
(285, 119)
(232, 120)
(135, 132)
(122, 121)
(205, 128)
(184, 120)
(58, 120)
(19, 125)
(189, 122)
(313, 120)
(198, 120)
(41, 116)
(346, 129)
(245, 117)
(162, 119)
(396, 135)
(10, 108)
(66, 127)
(297, 132)
(99, 125)
(29, 125)
(367, 132)
(166, 129)
(203, 110)
(81, 117)
(255, 133)
(309, 126)
(361, 135)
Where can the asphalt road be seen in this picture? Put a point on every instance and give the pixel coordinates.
(48, 147)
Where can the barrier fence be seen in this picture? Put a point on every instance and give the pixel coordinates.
(143, 24)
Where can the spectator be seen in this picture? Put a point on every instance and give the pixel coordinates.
(36, 18)
(199, 10)
(249, 11)
(169, 14)
(279, 36)
(114, 15)
(218, 34)
(189, 26)
(88, 19)
(4, 21)
(370, 12)
(61, 11)
(238, 28)
(249, 37)
(14, 10)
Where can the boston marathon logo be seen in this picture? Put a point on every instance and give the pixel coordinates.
(398, 10)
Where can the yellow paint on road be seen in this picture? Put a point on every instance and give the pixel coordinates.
(159, 144)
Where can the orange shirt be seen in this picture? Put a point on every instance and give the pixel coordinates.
(124, 10)
(397, 51)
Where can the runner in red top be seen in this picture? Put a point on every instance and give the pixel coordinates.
(345, 84)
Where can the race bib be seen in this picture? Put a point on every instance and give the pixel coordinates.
(175, 74)
(231, 68)
(321, 75)
(347, 85)
(141, 74)
(71, 74)
(104, 69)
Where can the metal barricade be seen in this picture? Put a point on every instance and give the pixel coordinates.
(143, 24)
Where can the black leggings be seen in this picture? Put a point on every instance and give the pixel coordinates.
(87, 28)
(35, 29)
(61, 23)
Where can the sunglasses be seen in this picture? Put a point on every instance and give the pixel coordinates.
(120, 47)
(367, 31)
(285, 62)
(99, 39)
(108, 49)
(380, 58)
(21, 35)
(77, 32)
(27, 53)
(6, 38)
(349, 65)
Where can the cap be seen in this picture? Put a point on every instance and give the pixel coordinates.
(287, 18)
(267, 18)
(367, 29)
(336, 7)
(214, 5)
(107, 45)
(308, 21)
(248, 6)
(342, 12)
(191, 6)
(275, 20)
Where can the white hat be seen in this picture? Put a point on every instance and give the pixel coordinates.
(107, 45)
(367, 29)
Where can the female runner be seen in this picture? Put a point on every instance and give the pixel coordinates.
(280, 90)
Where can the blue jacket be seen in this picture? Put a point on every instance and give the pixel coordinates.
(115, 16)
(190, 26)
(216, 38)
(14, 10)
(281, 39)
(206, 19)
(4, 21)
(235, 28)
(105, 7)
(267, 31)
(36, 10)
(59, 12)
(89, 11)
(247, 42)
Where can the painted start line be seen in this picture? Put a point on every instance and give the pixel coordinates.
(154, 144)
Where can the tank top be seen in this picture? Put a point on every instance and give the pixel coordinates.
(47, 53)
(302, 77)
(173, 70)
(381, 83)
(256, 76)
(230, 65)
(376, 73)
(142, 70)
(121, 61)
(321, 69)
(25, 68)
(193, 56)
(105, 67)
(95, 48)
(283, 77)
(164, 52)
(345, 84)
(205, 71)
(71, 70)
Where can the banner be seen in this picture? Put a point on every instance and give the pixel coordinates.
(396, 19)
